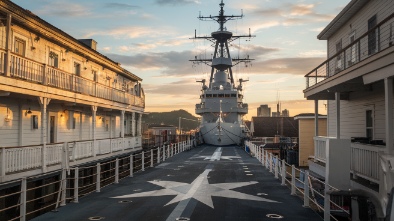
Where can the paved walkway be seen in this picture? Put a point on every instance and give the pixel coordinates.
(206, 183)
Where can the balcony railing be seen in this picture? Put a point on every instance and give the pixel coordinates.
(19, 159)
(374, 41)
(365, 161)
(30, 70)
(320, 149)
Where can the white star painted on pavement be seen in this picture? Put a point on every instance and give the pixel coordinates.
(200, 190)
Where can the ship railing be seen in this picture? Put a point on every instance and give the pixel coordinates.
(372, 42)
(67, 185)
(320, 149)
(29, 70)
(301, 183)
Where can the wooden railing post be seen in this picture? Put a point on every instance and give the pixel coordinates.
(63, 188)
(131, 165)
(23, 199)
(143, 160)
(98, 171)
(283, 172)
(3, 163)
(306, 189)
(76, 184)
(276, 168)
(151, 157)
(158, 155)
(117, 170)
(293, 180)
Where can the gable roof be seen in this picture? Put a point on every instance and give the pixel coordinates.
(347, 13)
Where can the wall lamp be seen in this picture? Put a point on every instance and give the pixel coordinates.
(28, 112)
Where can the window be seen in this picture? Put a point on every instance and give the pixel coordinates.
(372, 36)
(353, 49)
(369, 124)
(53, 59)
(20, 46)
(77, 68)
(94, 73)
(339, 57)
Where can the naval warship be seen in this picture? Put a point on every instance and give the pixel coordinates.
(221, 104)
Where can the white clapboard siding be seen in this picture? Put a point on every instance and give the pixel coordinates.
(353, 116)
(359, 23)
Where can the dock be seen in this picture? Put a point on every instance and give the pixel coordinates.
(204, 183)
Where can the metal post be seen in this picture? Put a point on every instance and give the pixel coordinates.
(76, 184)
(131, 165)
(143, 160)
(271, 162)
(151, 157)
(327, 204)
(172, 151)
(164, 153)
(63, 188)
(293, 179)
(98, 169)
(158, 155)
(2, 166)
(276, 168)
(23, 199)
(306, 189)
(117, 170)
(262, 157)
(283, 172)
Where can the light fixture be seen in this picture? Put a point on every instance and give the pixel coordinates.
(29, 111)
(37, 38)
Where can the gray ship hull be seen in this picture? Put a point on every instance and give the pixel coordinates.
(230, 134)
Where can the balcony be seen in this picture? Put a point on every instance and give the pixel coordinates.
(363, 50)
(19, 161)
(31, 71)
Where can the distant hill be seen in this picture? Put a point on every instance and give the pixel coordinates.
(171, 118)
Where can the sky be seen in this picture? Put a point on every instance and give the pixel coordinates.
(152, 39)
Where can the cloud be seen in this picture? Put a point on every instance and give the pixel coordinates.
(177, 2)
(295, 66)
(129, 32)
(289, 14)
(186, 86)
(120, 6)
(151, 45)
(64, 9)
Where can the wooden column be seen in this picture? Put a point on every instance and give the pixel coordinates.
(94, 111)
(44, 101)
(8, 46)
(133, 127)
(388, 95)
(338, 114)
(316, 118)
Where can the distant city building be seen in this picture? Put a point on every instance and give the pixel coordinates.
(263, 111)
(285, 113)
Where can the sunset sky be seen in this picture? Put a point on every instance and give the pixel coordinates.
(151, 39)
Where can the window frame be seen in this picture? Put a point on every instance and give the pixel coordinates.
(23, 42)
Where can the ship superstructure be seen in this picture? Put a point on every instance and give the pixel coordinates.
(221, 107)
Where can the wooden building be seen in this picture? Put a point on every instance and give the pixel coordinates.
(55, 89)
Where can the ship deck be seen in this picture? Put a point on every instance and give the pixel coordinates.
(205, 183)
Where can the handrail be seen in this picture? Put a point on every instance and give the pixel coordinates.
(28, 69)
(349, 46)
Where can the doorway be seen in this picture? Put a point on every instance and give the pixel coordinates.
(51, 129)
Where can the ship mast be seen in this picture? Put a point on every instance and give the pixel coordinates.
(221, 60)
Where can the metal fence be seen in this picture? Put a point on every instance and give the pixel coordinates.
(300, 183)
(29, 197)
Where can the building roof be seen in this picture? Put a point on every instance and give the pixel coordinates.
(309, 116)
(347, 13)
(271, 126)
(44, 29)
(161, 126)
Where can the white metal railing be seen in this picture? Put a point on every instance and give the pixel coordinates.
(82, 185)
(300, 182)
(365, 161)
(320, 148)
(18, 159)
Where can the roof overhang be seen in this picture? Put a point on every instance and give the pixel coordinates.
(347, 13)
